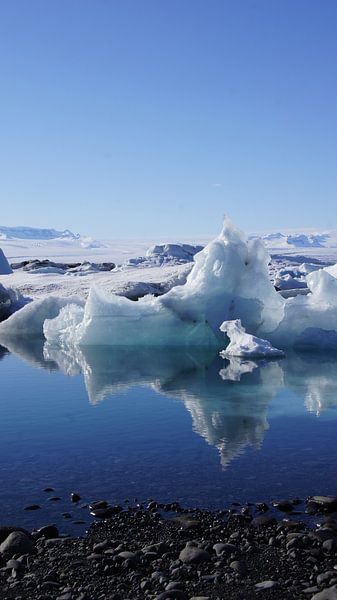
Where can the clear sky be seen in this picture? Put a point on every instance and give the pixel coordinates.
(136, 118)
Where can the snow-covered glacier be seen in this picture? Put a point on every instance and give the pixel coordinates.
(229, 281)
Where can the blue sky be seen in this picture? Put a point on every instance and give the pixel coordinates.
(136, 118)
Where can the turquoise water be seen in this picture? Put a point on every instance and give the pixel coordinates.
(190, 427)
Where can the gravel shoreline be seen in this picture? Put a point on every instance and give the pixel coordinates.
(168, 552)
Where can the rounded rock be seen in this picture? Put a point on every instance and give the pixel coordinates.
(193, 556)
(17, 543)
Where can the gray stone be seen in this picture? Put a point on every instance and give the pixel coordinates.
(174, 585)
(222, 548)
(17, 543)
(193, 556)
(238, 567)
(266, 585)
(263, 521)
(329, 545)
(128, 555)
(323, 534)
(327, 594)
(323, 503)
(159, 548)
(5, 531)
(325, 577)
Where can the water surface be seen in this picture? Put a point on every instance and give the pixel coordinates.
(176, 426)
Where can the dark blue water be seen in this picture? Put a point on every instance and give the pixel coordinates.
(189, 427)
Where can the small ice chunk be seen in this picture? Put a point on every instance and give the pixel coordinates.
(287, 282)
(244, 344)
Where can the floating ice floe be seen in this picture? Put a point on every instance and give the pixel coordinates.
(229, 280)
(244, 344)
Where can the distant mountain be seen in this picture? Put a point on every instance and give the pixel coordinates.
(35, 233)
(298, 239)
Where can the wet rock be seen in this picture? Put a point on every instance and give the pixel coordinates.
(75, 497)
(17, 543)
(98, 504)
(263, 521)
(48, 532)
(322, 504)
(283, 505)
(262, 507)
(32, 507)
(105, 513)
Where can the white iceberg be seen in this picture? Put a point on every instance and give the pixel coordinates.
(5, 268)
(244, 344)
(229, 280)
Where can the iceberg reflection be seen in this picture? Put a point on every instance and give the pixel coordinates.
(318, 375)
(228, 400)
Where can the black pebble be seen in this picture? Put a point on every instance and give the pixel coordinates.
(48, 532)
(75, 497)
(32, 507)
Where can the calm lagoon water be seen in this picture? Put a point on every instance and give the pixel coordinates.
(175, 426)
